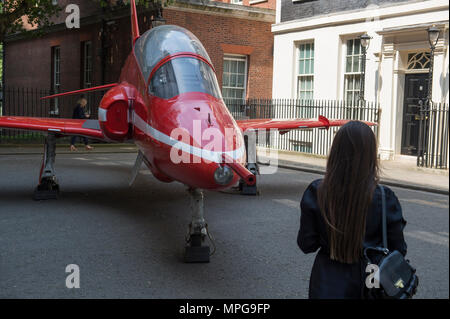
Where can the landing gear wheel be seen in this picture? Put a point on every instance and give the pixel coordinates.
(196, 249)
(196, 252)
(47, 189)
(248, 189)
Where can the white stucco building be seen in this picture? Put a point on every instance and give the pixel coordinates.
(317, 55)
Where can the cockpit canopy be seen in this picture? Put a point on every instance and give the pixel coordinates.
(181, 74)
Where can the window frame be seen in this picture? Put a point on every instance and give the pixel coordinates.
(299, 75)
(352, 75)
(241, 58)
(88, 66)
(56, 77)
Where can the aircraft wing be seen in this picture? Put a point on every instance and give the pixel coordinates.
(88, 128)
(285, 125)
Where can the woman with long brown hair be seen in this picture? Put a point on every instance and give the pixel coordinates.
(341, 215)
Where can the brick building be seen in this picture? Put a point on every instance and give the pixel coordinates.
(236, 35)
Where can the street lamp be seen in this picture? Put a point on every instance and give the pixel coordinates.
(433, 36)
(365, 41)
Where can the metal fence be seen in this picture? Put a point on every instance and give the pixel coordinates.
(433, 136)
(313, 141)
(27, 102)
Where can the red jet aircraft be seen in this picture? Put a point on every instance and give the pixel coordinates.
(168, 84)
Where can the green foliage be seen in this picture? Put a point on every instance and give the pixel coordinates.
(37, 13)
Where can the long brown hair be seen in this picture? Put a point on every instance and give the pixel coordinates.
(346, 192)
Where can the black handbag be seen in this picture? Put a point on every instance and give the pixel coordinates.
(397, 278)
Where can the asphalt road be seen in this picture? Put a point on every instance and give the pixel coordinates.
(128, 242)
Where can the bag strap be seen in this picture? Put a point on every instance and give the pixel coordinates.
(383, 220)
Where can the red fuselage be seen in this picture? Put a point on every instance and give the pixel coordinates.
(195, 127)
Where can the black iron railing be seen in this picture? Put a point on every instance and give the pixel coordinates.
(433, 136)
(28, 102)
(313, 141)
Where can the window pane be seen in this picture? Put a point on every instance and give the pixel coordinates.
(241, 67)
(307, 62)
(357, 46)
(348, 64)
(302, 51)
(234, 67)
(226, 66)
(302, 67)
(349, 47)
(349, 82)
(240, 80)
(355, 64)
(233, 80)
(357, 82)
(349, 97)
(302, 96)
(307, 50)
(226, 79)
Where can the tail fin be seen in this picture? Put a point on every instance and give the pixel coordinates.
(134, 22)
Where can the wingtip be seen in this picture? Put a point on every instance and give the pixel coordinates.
(324, 121)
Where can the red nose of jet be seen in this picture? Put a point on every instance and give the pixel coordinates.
(208, 138)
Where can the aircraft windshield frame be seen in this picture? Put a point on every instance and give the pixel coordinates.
(183, 75)
(163, 41)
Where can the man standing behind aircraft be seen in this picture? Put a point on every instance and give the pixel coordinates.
(79, 113)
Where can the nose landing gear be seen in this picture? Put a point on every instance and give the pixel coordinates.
(197, 251)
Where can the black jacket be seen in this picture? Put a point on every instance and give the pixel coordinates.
(78, 113)
(334, 280)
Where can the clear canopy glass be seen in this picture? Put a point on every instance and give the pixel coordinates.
(182, 75)
(162, 41)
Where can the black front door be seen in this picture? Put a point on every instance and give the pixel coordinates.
(416, 88)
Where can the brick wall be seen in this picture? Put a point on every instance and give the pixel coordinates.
(251, 38)
(28, 61)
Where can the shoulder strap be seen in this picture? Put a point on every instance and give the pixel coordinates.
(383, 216)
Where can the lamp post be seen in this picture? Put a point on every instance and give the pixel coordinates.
(365, 41)
(433, 36)
(422, 150)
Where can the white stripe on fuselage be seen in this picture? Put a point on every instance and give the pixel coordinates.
(196, 151)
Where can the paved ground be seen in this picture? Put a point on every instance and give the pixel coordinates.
(128, 241)
(402, 171)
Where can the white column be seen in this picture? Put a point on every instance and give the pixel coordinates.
(278, 11)
(387, 118)
(439, 73)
